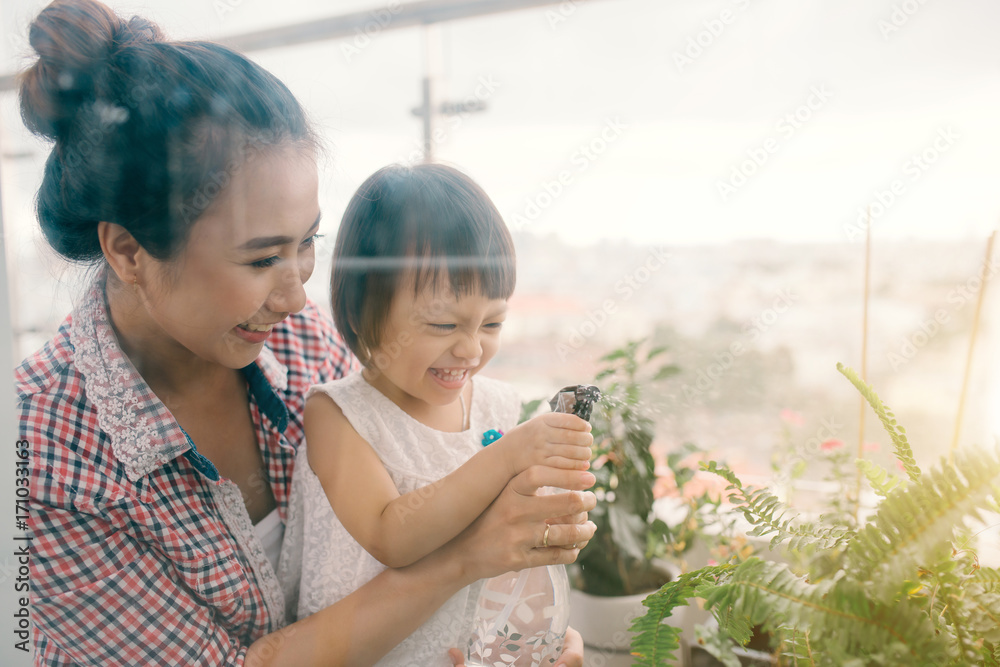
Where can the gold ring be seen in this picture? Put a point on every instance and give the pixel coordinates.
(545, 537)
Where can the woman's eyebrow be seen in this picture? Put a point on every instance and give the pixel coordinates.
(261, 242)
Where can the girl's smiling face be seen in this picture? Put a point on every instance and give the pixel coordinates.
(433, 342)
(244, 263)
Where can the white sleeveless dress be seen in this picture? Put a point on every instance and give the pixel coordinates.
(320, 561)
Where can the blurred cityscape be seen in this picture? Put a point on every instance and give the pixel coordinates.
(757, 329)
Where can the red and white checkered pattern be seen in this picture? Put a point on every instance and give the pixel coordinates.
(131, 560)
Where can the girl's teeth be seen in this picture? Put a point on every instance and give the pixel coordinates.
(256, 327)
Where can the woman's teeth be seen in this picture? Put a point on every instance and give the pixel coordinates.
(256, 327)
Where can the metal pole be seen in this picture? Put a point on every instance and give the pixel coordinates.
(12, 536)
(409, 15)
(432, 73)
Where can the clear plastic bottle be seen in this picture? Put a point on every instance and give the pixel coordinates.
(521, 617)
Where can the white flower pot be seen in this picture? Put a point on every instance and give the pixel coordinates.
(604, 621)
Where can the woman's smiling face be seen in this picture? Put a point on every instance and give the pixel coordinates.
(245, 261)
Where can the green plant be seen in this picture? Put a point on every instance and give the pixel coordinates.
(904, 587)
(619, 558)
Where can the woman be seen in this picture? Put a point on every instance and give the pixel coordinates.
(163, 417)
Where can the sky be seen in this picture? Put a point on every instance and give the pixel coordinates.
(648, 121)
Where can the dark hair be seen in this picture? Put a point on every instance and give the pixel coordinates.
(147, 131)
(414, 220)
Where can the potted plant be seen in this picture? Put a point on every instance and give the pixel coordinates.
(901, 587)
(633, 552)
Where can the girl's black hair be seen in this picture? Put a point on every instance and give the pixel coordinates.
(425, 221)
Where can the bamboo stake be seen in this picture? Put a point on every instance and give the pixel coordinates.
(972, 346)
(864, 361)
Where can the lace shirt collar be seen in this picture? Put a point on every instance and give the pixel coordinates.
(143, 433)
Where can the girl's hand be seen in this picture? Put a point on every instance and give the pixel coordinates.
(554, 439)
(572, 655)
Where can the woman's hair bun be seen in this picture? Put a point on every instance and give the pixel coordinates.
(74, 40)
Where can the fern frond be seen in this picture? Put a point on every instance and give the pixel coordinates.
(990, 655)
(655, 643)
(767, 515)
(881, 480)
(987, 577)
(984, 615)
(915, 524)
(733, 625)
(964, 640)
(797, 647)
(769, 594)
(897, 433)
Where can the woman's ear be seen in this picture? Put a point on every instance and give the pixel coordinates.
(121, 250)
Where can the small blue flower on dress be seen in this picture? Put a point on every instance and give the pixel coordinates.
(491, 436)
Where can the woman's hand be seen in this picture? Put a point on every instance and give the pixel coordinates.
(572, 655)
(521, 529)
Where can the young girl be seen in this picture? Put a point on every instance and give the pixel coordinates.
(396, 463)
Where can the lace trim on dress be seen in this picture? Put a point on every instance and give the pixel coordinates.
(230, 502)
(131, 415)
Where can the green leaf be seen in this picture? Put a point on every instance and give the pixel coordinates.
(882, 482)
(627, 529)
(655, 352)
(902, 447)
(656, 643)
(666, 371)
(604, 373)
(528, 409)
(614, 355)
(916, 521)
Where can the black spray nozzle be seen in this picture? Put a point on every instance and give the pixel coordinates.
(577, 399)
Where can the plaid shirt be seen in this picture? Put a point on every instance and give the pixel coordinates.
(141, 554)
